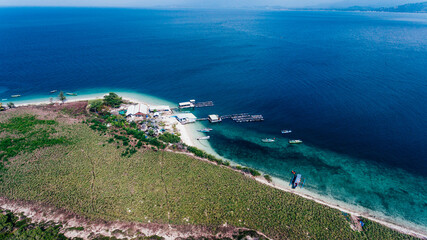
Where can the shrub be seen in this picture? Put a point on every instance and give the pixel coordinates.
(112, 100)
(169, 138)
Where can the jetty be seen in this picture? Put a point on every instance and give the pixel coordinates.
(238, 118)
(244, 117)
(204, 104)
(193, 104)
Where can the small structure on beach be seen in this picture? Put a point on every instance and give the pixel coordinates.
(160, 108)
(189, 104)
(137, 110)
(213, 118)
(185, 118)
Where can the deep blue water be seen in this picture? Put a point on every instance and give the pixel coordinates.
(353, 86)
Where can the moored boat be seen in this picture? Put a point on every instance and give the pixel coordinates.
(15, 96)
(268, 140)
(71, 94)
(297, 180)
(53, 91)
(205, 130)
(204, 138)
(286, 131)
(295, 141)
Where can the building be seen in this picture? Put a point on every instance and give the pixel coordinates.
(160, 108)
(213, 118)
(138, 110)
(185, 118)
(190, 104)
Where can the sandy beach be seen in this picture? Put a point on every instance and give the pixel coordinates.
(189, 134)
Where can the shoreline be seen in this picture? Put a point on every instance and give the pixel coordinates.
(189, 134)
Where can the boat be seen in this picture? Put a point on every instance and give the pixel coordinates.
(296, 141)
(268, 140)
(297, 180)
(204, 138)
(4, 99)
(286, 131)
(205, 130)
(15, 96)
(53, 91)
(71, 94)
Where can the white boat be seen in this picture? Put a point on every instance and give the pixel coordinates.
(286, 131)
(15, 96)
(4, 99)
(205, 130)
(71, 94)
(53, 91)
(268, 140)
(296, 141)
(204, 138)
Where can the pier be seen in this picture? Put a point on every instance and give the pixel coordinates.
(238, 118)
(204, 104)
(193, 104)
(244, 117)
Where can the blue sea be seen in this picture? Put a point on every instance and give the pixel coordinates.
(351, 85)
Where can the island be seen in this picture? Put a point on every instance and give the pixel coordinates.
(116, 168)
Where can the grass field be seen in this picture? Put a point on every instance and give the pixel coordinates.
(89, 176)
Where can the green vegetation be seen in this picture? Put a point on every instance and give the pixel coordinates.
(203, 154)
(268, 178)
(169, 138)
(62, 97)
(251, 171)
(12, 227)
(95, 180)
(96, 105)
(26, 134)
(10, 105)
(112, 100)
(75, 229)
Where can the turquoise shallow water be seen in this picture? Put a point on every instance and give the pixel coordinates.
(353, 86)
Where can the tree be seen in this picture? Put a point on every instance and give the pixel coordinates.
(61, 97)
(96, 105)
(113, 100)
(11, 105)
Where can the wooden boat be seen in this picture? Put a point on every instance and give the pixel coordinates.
(204, 138)
(296, 141)
(15, 96)
(268, 140)
(297, 180)
(71, 94)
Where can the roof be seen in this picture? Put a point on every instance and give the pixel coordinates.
(184, 103)
(138, 108)
(160, 108)
(186, 115)
(214, 117)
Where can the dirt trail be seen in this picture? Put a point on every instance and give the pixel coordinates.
(43, 213)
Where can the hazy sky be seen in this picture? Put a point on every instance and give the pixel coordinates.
(206, 3)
